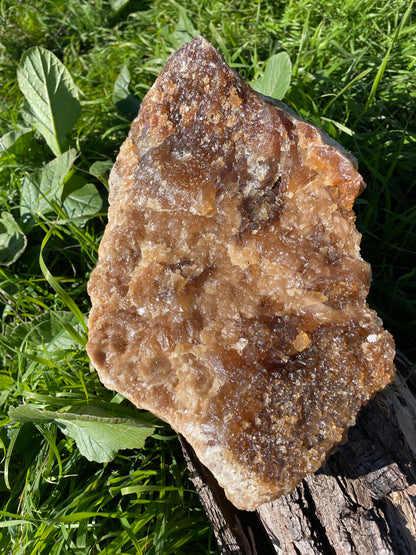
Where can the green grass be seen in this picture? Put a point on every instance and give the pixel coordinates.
(353, 75)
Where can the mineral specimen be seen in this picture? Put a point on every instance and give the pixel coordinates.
(230, 295)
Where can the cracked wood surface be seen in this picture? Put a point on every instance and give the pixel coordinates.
(362, 501)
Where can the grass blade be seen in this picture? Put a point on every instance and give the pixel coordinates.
(62, 294)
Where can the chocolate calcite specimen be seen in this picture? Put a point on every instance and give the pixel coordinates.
(230, 295)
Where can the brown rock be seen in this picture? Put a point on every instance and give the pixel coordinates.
(229, 298)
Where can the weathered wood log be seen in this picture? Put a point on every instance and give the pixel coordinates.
(236, 531)
(362, 501)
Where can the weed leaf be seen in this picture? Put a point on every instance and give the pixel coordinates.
(12, 239)
(51, 98)
(43, 188)
(14, 144)
(6, 382)
(101, 170)
(49, 330)
(81, 200)
(98, 438)
(118, 5)
(275, 80)
(127, 104)
(16, 141)
(184, 30)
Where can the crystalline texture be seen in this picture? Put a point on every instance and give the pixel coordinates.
(229, 297)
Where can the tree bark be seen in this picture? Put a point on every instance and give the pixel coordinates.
(362, 501)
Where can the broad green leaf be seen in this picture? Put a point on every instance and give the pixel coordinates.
(42, 188)
(16, 141)
(14, 145)
(121, 85)
(12, 239)
(51, 98)
(45, 361)
(101, 170)
(98, 438)
(275, 80)
(184, 30)
(52, 330)
(126, 103)
(6, 382)
(118, 5)
(6, 386)
(81, 200)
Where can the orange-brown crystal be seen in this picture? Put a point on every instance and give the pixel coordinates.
(230, 295)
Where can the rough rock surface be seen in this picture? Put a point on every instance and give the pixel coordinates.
(230, 295)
